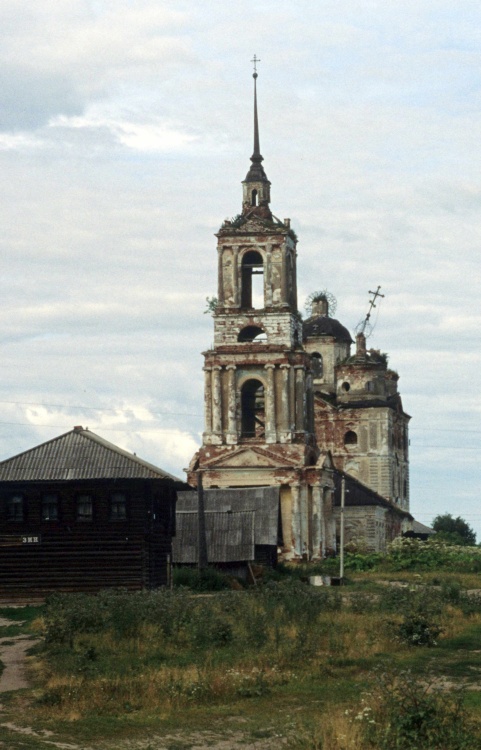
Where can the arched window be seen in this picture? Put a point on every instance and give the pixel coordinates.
(254, 198)
(252, 333)
(345, 386)
(252, 280)
(316, 365)
(350, 438)
(252, 405)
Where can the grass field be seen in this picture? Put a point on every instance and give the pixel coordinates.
(388, 661)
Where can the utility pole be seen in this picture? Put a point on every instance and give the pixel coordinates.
(341, 541)
(201, 535)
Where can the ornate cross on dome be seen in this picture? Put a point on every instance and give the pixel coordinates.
(255, 60)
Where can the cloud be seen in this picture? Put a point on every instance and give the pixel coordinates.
(57, 57)
(127, 131)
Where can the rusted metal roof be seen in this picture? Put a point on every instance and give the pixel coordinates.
(264, 501)
(229, 535)
(79, 454)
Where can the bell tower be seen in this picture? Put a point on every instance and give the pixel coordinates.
(261, 390)
(258, 396)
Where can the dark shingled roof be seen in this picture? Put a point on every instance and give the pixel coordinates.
(76, 455)
(323, 325)
(421, 528)
(358, 493)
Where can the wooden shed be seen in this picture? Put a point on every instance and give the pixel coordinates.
(77, 513)
(242, 525)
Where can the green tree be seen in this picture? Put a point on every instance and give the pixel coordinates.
(454, 530)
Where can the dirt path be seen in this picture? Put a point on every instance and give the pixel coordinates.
(13, 654)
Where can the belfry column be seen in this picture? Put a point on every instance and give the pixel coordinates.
(208, 402)
(217, 403)
(268, 280)
(271, 436)
(235, 275)
(300, 397)
(231, 436)
(285, 414)
(220, 276)
(284, 301)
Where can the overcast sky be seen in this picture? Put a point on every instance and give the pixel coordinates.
(125, 131)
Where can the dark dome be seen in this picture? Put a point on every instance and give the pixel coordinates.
(322, 325)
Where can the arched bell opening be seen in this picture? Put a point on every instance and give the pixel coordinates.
(252, 333)
(252, 280)
(253, 409)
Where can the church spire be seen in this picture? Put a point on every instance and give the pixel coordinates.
(256, 185)
(257, 151)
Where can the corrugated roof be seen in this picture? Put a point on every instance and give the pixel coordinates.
(79, 454)
(230, 536)
(263, 500)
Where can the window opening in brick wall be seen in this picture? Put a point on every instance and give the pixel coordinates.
(252, 333)
(253, 409)
(316, 364)
(252, 280)
(350, 438)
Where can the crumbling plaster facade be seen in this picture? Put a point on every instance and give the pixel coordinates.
(285, 403)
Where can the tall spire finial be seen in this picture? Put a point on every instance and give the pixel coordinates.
(257, 150)
(256, 193)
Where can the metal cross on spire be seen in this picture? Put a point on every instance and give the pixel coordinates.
(255, 60)
(365, 324)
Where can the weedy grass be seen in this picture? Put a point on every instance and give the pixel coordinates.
(22, 619)
(298, 657)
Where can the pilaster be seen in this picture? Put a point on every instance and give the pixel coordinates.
(231, 436)
(207, 403)
(317, 519)
(270, 405)
(216, 405)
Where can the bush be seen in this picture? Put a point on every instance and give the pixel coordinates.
(417, 629)
(407, 714)
(209, 579)
(410, 554)
(360, 562)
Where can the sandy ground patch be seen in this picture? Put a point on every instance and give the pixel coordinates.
(13, 654)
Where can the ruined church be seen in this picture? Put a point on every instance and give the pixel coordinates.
(290, 403)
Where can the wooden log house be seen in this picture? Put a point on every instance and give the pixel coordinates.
(77, 513)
